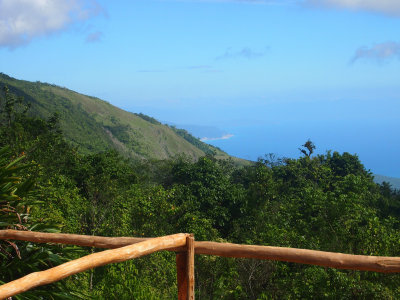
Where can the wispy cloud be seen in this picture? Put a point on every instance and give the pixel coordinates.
(245, 52)
(23, 20)
(224, 137)
(378, 52)
(94, 37)
(388, 7)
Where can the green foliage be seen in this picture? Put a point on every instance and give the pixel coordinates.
(17, 202)
(148, 119)
(12, 188)
(206, 191)
(330, 203)
(308, 148)
(207, 149)
(325, 202)
(95, 126)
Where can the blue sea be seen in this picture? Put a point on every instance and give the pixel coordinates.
(368, 128)
(376, 144)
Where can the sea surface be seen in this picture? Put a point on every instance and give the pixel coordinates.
(376, 144)
(252, 128)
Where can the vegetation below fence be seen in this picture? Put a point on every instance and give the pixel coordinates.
(323, 202)
(185, 247)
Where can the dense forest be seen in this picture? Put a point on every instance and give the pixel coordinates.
(324, 202)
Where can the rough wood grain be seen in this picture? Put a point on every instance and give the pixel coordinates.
(185, 270)
(91, 261)
(181, 275)
(70, 239)
(320, 258)
(190, 266)
(74, 239)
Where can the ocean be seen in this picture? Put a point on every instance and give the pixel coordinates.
(377, 145)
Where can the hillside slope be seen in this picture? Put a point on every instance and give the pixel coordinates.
(394, 182)
(95, 125)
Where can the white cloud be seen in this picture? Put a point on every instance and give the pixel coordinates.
(378, 52)
(389, 7)
(23, 20)
(224, 137)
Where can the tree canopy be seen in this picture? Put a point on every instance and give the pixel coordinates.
(324, 202)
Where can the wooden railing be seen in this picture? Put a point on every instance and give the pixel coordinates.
(125, 248)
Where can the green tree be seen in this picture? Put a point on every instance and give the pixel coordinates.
(309, 146)
(18, 203)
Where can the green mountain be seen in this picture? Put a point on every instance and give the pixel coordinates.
(95, 125)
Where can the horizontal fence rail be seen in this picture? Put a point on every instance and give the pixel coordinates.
(91, 261)
(125, 248)
(381, 264)
(70, 239)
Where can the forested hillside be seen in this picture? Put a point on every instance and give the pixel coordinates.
(324, 202)
(95, 125)
(394, 182)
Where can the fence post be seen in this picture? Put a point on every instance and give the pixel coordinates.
(190, 266)
(185, 271)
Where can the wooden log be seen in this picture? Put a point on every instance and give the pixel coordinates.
(185, 271)
(91, 261)
(74, 239)
(320, 258)
(190, 266)
(328, 259)
(70, 239)
(181, 275)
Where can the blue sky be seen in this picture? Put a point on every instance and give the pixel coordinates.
(227, 63)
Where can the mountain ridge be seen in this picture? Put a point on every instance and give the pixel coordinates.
(95, 125)
(393, 181)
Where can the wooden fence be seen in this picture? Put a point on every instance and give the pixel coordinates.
(125, 248)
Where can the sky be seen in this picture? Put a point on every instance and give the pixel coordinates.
(268, 73)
